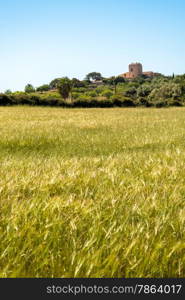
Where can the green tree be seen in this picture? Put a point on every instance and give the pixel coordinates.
(29, 88)
(76, 83)
(65, 87)
(53, 84)
(130, 92)
(94, 76)
(114, 81)
(166, 93)
(143, 90)
(43, 88)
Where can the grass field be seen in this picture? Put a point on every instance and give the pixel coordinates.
(92, 192)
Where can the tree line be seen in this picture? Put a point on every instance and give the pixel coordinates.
(98, 91)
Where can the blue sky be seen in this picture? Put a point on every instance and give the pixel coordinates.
(45, 39)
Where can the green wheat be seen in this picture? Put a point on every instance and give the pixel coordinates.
(92, 192)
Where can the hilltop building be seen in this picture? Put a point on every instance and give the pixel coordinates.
(135, 70)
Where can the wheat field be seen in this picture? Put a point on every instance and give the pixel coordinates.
(92, 192)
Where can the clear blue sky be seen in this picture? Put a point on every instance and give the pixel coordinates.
(45, 39)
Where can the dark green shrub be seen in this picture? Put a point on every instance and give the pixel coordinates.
(161, 103)
(175, 102)
(143, 101)
(5, 100)
(22, 99)
(130, 92)
(121, 101)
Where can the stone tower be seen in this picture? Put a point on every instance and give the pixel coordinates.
(135, 69)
